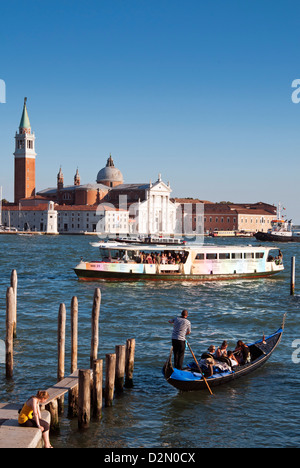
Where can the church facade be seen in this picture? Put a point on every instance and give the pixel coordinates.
(106, 206)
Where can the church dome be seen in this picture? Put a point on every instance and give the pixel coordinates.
(110, 175)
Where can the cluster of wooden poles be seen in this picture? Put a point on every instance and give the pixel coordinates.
(84, 387)
(86, 398)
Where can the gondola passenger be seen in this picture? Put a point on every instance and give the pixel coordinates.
(233, 359)
(242, 353)
(222, 350)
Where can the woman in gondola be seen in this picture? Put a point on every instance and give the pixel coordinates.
(222, 350)
(242, 353)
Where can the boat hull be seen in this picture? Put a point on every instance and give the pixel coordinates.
(266, 237)
(90, 275)
(191, 263)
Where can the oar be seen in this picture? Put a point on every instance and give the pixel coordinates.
(209, 389)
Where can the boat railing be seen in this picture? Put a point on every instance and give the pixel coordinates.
(164, 268)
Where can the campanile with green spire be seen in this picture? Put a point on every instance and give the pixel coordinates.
(24, 158)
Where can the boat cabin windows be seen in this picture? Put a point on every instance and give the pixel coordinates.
(229, 256)
(259, 255)
(109, 255)
(249, 255)
(224, 256)
(236, 256)
(200, 256)
(212, 256)
(276, 257)
(166, 257)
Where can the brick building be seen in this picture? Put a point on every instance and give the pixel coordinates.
(238, 217)
(214, 217)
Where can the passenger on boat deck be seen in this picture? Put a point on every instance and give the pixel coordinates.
(242, 353)
(222, 350)
(233, 359)
(149, 259)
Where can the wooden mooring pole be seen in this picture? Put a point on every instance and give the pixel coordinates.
(293, 275)
(97, 388)
(110, 373)
(9, 340)
(61, 349)
(52, 407)
(84, 399)
(14, 285)
(120, 367)
(73, 393)
(130, 350)
(95, 326)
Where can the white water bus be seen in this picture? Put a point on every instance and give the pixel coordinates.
(180, 263)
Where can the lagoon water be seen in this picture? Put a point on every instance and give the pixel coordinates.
(261, 410)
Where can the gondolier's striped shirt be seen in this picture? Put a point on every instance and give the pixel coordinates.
(181, 327)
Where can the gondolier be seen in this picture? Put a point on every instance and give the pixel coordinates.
(182, 327)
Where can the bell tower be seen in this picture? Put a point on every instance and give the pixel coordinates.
(24, 158)
(77, 178)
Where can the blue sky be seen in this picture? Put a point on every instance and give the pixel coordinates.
(197, 91)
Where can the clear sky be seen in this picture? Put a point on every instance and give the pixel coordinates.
(196, 90)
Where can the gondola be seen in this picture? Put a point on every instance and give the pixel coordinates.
(190, 378)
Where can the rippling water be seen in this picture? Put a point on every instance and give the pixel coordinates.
(260, 410)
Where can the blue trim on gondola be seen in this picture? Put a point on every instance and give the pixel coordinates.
(186, 376)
